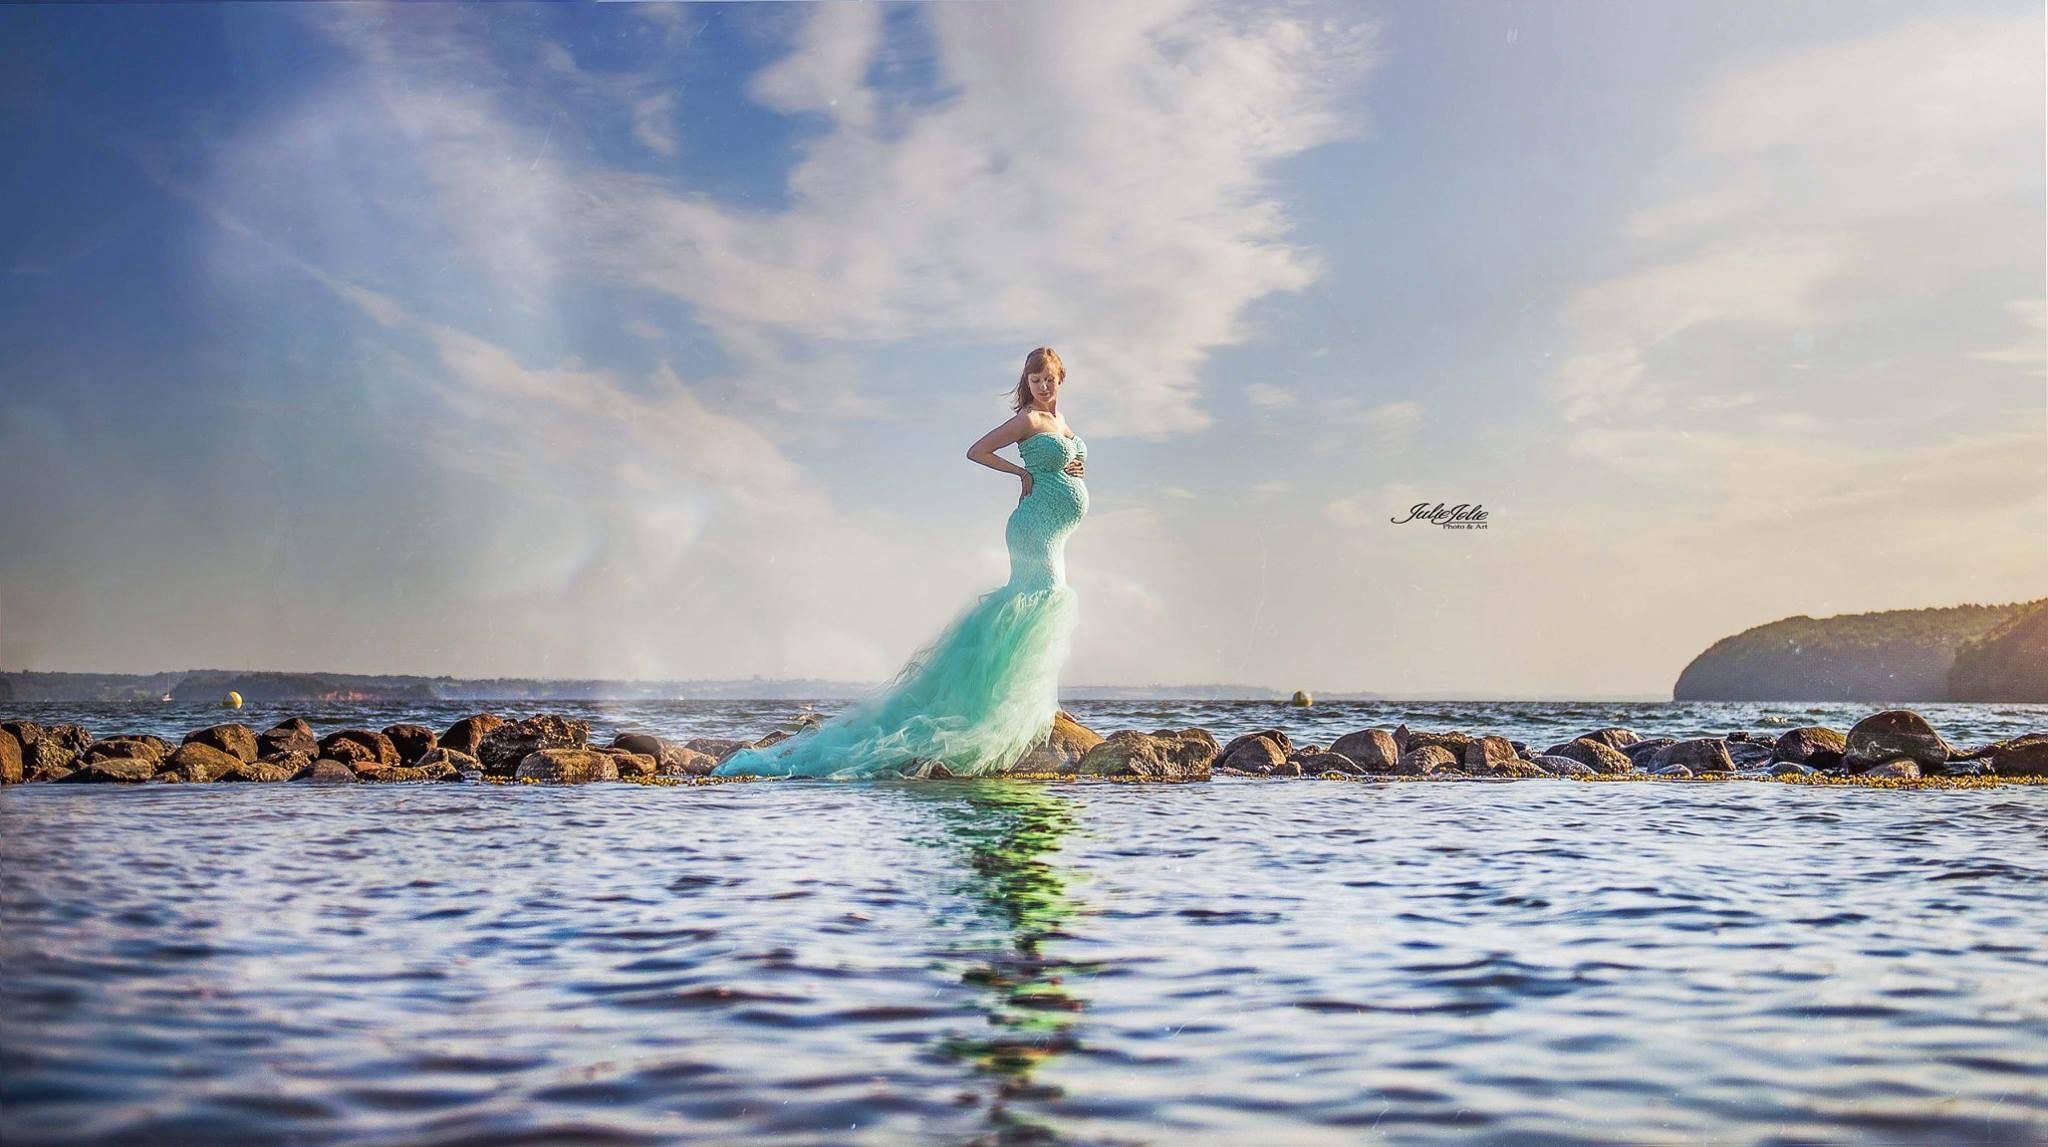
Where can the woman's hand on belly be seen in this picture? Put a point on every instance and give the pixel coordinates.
(1077, 467)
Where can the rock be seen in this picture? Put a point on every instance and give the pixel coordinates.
(326, 771)
(1375, 750)
(645, 743)
(145, 747)
(1507, 767)
(1612, 737)
(349, 752)
(1279, 737)
(1596, 755)
(717, 748)
(1162, 755)
(260, 772)
(201, 762)
(425, 771)
(1255, 753)
(923, 769)
(46, 753)
(505, 748)
(1672, 772)
(1323, 764)
(677, 761)
(1454, 742)
(1423, 760)
(1639, 754)
(1894, 733)
(411, 741)
(1808, 742)
(467, 735)
(455, 759)
(566, 766)
(110, 770)
(381, 749)
(1564, 766)
(1488, 754)
(293, 761)
(1751, 754)
(632, 766)
(1792, 769)
(1897, 767)
(291, 735)
(1698, 755)
(237, 741)
(2023, 756)
(1062, 749)
(11, 771)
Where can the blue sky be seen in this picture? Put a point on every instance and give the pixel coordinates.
(646, 340)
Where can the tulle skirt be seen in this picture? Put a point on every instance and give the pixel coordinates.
(975, 699)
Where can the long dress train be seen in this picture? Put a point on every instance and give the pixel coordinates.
(983, 692)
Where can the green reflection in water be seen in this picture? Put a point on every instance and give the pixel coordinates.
(1009, 832)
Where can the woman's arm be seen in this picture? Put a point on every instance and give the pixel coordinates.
(1016, 429)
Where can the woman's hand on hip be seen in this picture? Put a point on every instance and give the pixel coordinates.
(1025, 478)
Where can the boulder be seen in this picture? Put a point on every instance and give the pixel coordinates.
(505, 748)
(1672, 772)
(1061, 751)
(1564, 766)
(11, 771)
(145, 746)
(293, 761)
(1698, 755)
(411, 741)
(110, 770)
(291, 735)
(382, 750)
(424, 771)
(325, 771)
(1894, 733)
(644, 743)
(566, 766)
(1792, 769)
(1374, 750)
(1323, 764)
(348, 752)
(631, 765)
(1162, 755)
(236, 740)
(1255, 753)
(1454, 742)
(1507, 767)
(1901, 768)
(717, 748)
(455, 759)
(772, 738)
(1277, 736)
(2023, 756)
(467, 735)
(677, 761)
(259, 772)
(1612, 737)
(201, 762)
(1596, 755)
(1423, 760)
(1489, 753)
(1639, 754)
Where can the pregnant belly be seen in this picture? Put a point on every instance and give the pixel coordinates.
(1059, 493)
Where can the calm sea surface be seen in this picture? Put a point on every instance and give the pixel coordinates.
(1242, 961)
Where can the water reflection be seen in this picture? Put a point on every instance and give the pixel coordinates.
(1008, 834)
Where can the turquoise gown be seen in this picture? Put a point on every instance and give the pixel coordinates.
(984, 691)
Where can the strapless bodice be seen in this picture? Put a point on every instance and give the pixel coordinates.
(1047, 451)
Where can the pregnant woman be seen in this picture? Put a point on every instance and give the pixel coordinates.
(984, 692)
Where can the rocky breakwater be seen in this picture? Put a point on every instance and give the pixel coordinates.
(1892, 747)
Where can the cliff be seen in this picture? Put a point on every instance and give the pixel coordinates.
(1893, 655)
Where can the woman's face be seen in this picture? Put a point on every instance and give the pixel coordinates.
(1043, 383)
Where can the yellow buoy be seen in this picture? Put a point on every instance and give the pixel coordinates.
(232, 701)
(1301, 697)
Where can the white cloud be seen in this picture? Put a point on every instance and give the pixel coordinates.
(2031, 352)
(1265, 394)
(1806, 193)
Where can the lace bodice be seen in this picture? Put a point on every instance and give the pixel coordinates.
(1046, 451)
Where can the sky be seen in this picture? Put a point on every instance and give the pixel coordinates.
(646, 340)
